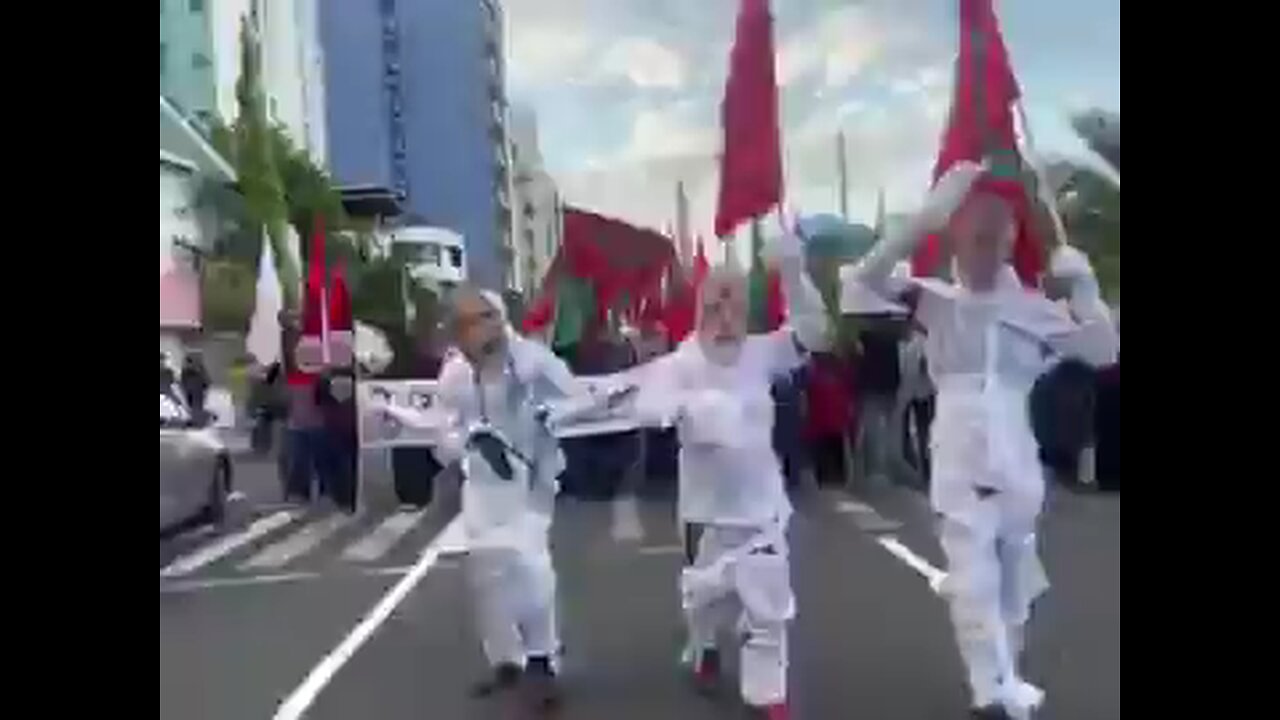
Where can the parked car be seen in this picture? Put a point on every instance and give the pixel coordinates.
(195, 466)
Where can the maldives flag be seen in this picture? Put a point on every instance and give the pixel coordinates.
(981, 126)
(751, 165)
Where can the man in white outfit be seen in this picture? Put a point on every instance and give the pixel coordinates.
(988, 339)
(493, 392)
(715, 388)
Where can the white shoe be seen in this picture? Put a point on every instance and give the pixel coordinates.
(1022, 699)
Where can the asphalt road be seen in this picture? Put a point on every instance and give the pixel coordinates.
(240, 633)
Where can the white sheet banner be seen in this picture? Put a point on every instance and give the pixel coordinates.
(590, 414)
(398, 413)
(404, 413)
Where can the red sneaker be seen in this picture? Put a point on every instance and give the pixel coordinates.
(706, 675)
(777, 711)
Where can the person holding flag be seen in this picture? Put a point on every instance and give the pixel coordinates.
(988, 340)
(990, 336)
(715, 389)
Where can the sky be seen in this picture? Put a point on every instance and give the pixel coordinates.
(627, 93)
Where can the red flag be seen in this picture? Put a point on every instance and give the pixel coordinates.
(775, 302)
(340, 317)
(751, 164)
(542, 312)
(313, 308)
(342, 336)
(700, 265)
(681, 312)
(981, 126)
(312, 351)
(600, 261)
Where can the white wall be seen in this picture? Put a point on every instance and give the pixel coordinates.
(179, 283)
(177, 217)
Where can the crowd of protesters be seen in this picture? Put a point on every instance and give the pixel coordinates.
(855, 417)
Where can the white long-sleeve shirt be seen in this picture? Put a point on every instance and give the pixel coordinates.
(729, 473)
(984, 352)
(499, 512)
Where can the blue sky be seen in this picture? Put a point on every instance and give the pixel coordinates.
(627, 92)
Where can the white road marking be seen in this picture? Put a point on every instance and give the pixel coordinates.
(305, 694)
(299, 543)
(235, 496)
(182, 586)
(870, 521)
(227, 544)
(383, 538)
(853, 506)
(626, 526)
(913, 561)
(661, 550)
(866, 517)
(453, 538)
(186, 586)
(406, 569)
(398, 570)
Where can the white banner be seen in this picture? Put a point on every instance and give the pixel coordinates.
(404, 413)
(590, 415)
(398, 413)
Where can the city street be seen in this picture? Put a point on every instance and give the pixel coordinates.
(293, 605)
(737, 240)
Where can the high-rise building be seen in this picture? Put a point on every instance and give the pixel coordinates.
(200, 63)
(187, 76)
(537, 213)
(416, 102)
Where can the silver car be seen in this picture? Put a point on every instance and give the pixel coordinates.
(195, 467)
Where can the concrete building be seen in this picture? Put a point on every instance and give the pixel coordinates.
(416, 102)
(186, 161)
(187, 73)
(536, 209)
(200, 62)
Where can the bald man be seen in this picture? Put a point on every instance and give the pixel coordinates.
(493, 390)
(987, 341)
(733, 505)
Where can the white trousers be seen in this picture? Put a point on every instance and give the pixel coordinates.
(515, 603)
(993, 576)
(729, 587)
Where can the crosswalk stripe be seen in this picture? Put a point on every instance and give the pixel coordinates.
(299, 543)
(625, 525)
(384, 537)
(227, 544)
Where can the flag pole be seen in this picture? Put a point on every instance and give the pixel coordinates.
(843, 173)
(1042, 181)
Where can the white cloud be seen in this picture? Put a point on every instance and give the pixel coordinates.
(542, 53)
(643, 192)
(879, 69)
(796, 58)
(644, 61)
(890, 144)
(838, 46)
(667, 132)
